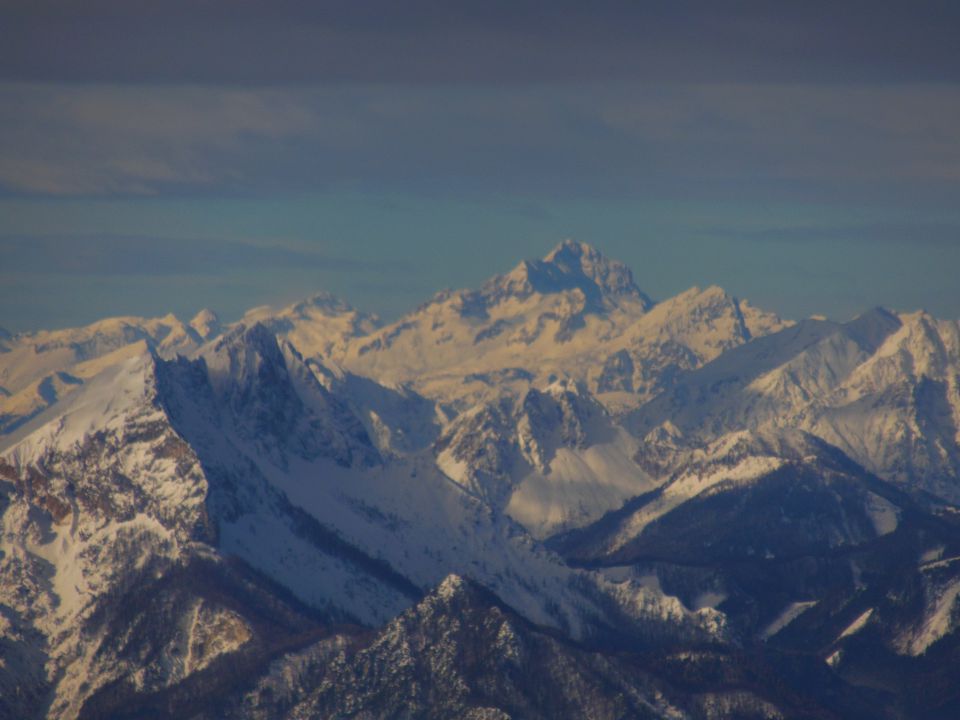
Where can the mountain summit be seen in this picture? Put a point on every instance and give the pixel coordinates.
(574, 314)
(571, 266)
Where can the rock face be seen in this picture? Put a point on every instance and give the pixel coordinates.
(547, 497)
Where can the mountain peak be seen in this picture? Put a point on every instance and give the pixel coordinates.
(319, 304)
(452, 585)
(243, 353)
(572, 249)
(573, 258)
(572, 265)
(206, 324)
(325, 301)
(458, 592)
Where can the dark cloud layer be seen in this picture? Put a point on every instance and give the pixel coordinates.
(437, 41)
(575, 140)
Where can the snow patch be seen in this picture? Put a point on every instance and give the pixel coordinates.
(453, 468)
(790, 613)
(939, 620)
(857, 625)
(689, 485)
(709, 599)
(884, 515)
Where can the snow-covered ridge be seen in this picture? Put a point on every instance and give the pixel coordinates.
(226, 404)
(882, 388)
(574, 314)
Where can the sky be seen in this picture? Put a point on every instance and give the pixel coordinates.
(166, 157)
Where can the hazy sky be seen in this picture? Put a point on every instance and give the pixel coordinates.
(170, 156)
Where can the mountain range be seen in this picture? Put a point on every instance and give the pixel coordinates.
(550, 496)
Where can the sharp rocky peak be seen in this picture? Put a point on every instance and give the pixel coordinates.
(255, 338)
(457, 592)
(206, 324)
(247, 356)
(570, 266)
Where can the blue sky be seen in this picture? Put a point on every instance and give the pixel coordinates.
(159, 158)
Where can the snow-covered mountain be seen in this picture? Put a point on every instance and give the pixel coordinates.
(551, 459)
(573, 315)
(320, 326)
(684, 508)
(807, 555)
(38, 369)
(242, 453)
(884, 388)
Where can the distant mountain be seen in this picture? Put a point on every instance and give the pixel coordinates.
(319, 326)
(884, 388)
(549, 496)
(38, 369)
(573, 315)
(206, 324)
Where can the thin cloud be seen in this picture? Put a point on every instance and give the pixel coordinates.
(109, 255)
(931, 234)
(100, 140)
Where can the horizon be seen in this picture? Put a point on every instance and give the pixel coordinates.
(385, 320)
